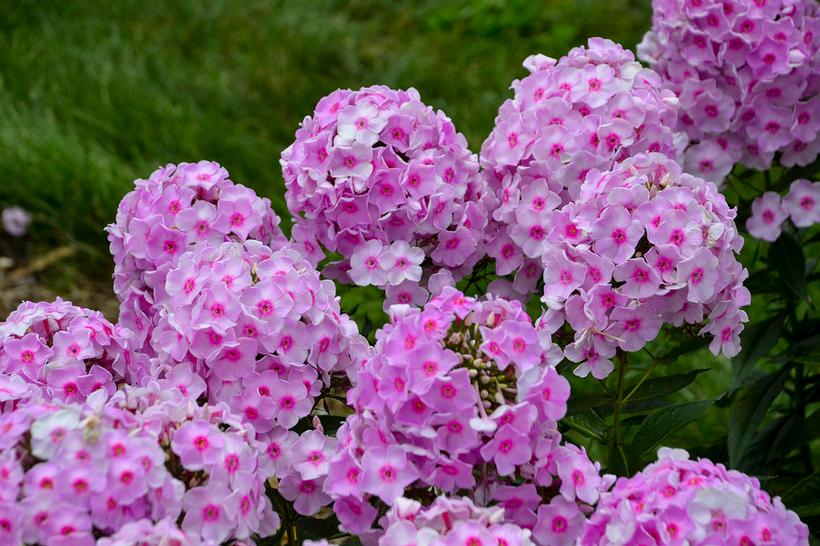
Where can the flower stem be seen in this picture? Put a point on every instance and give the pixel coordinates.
(614, 437)
(643, 378)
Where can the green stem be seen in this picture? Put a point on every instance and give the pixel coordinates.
(643, 378)
(614, 438)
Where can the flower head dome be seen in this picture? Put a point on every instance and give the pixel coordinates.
(462, 395)
(385, 181)
(258, 330)
(748, 76)
(66, 351)
(680, 501)
(131, 465)
(450, 521)
(643, 245)
(174, 210)
(591, 108)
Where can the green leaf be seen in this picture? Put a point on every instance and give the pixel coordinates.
(805, 492)
(808, 510)
(331, 423)
(809, 342)
(748, 412)
(663, 386)
(688, 345)
(582, 402)
(786, 257)
(317, 528)
(660, 424)
(626, 460)
(588, 423)
(757, 339)
(785, 435)
(645, 406)
(811, 426)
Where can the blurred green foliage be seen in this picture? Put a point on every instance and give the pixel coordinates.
(94, 94)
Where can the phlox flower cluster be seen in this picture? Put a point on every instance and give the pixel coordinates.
(145, 532)
(678, 501)
(130, 465)
(375, 167)
(462, 396)
(259, 330)
(643, 245)
(450, 521)
(748, 75)
(769, 211)
(15, 221)
(593, 107)
(172, 211)
(65, 351)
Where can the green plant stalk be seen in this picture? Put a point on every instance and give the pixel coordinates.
(614, 437)
(643, 378)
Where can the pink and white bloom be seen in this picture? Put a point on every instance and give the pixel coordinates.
(678, 501)
(378, 165)
(744, 72)
(768, 215)
(803, 203)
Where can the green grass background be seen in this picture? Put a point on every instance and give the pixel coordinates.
(96, 93)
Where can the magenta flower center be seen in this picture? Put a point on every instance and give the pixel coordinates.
(559, 524)
(201, 443)
(387, 473)
(210, 513)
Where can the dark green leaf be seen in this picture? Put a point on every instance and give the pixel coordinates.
(811, 426)
(626, 460)
(804, 492)
(748, 412)
(583, 402)
(757, 339)
(786, 257)
(780, 437)
(811, 341)
(688, 345)
(660, 424)
(314, 528)
(663, 386)
(331, 423)
(587, 423)
(808, 510)
(644, 406)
